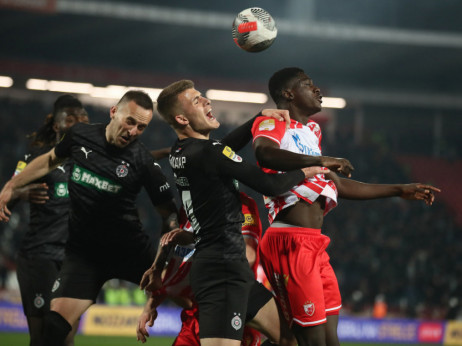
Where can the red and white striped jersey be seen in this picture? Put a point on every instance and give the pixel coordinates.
(300, 139)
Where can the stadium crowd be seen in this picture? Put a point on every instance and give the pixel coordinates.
(406, 254)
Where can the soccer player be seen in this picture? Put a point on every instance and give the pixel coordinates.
(110, 166)
(206, 172)
(293, 248)
(41, 252)
(175, 282)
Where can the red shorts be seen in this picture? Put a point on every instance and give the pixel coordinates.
(298, 269)
(189, 333)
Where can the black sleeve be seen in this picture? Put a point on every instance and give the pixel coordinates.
(63, 148)
(228, 163)
(239, 137)
(156, 184)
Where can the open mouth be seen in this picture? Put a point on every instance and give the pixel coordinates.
(209, 115)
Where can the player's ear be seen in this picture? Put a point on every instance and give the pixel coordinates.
(288, 94)
(181, 119)
(113, 111)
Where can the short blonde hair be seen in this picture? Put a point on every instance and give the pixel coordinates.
(167, 101)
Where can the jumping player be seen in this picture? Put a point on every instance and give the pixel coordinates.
(110, 166)
(175, 282)
(205, 171)
(41, 252)
(293, 248)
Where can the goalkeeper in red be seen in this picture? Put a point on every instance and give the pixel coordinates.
(293, 249)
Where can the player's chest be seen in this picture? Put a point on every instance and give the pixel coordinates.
(302, 141)
(96, 167)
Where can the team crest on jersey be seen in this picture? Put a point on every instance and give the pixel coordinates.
(315, 128)
(55, 285)
(39, 301)
(309, 308)
(267, 125)
(236, 321)
(122, 170)
(228, 152)
(61, 190)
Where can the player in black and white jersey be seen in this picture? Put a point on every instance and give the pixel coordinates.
(206, 172)
(41, 251)
(110, 166)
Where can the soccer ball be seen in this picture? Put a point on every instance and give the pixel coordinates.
(254, 29)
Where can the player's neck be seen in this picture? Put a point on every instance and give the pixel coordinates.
(189, 133)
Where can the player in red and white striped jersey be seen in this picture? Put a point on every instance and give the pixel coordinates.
(293, 248)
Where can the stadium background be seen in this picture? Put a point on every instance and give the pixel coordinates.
(397, 65)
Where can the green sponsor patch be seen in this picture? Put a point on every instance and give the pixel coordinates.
(85, 177)
(61, 190)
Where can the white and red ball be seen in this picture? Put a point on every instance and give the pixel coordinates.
(254, 29)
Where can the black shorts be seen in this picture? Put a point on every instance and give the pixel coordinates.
(36, 277)
(258, 298)
(82, 277)
(222, 290)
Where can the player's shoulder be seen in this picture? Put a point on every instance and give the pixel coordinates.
(264, 123)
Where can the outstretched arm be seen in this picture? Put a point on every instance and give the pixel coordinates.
(269, 155)
(351, 189)
(37, 168)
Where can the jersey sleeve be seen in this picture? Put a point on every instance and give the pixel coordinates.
(155, 183)
(251, 227)
(229, 164)
(269, 128)
(64, 147)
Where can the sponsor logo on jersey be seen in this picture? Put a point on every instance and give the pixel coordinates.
(39, 302)
(164, 187)
(267, 125)
(304, 149)
(61, 190)
(183, 251)
(181, 181)
(86, 152)
(309, 308)
(19, 167)
(122, 169)
(249, 220)
(56, 285)
(85, 177)
(61, 168)
(229, 153)
(236, 321)
(177, 162)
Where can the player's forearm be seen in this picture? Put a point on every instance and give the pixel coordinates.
(351, 189)
(239, 137)
(284, 160)
(274, 184)
(36, 169)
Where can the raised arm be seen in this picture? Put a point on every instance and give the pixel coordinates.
(269, 155)
(238, 138)
(352, 189)
(37, 168)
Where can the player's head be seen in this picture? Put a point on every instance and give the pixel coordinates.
(67, 111)
(129, 118)
(186, 110)
(291, 85)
